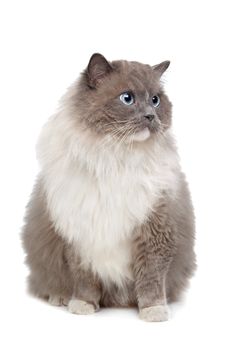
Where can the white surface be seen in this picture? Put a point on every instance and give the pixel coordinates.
(44, 45)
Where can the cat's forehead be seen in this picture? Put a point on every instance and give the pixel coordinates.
(136, 76)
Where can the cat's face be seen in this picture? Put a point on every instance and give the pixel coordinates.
(124, 99)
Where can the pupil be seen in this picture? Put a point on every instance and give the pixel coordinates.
(155, 99)
(127, 97)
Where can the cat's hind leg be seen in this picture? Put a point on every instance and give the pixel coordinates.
(56, 300)
(46, 252)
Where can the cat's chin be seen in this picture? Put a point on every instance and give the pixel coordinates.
(140, 136)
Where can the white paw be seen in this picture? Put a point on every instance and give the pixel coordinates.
(80, 307)
(55, 300)
(58, 301)
(155, 313)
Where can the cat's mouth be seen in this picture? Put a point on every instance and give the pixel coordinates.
(140, 136)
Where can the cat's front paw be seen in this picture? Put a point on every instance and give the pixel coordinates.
(155, 313)
(80, 307)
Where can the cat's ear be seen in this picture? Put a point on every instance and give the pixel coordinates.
(161, 67)
(98, 67)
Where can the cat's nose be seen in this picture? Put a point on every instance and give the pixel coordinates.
(149, 117)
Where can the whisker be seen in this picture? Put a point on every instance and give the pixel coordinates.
(114, 133)
(126, 134)
(119, 134)
(132, 139)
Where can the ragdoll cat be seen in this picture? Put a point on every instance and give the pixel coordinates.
(110, 221)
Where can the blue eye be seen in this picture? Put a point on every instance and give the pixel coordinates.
(156, 101)
(127, 98)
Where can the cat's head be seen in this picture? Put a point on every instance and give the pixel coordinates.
(124, 99)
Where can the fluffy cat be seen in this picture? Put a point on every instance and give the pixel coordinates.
(110, 221)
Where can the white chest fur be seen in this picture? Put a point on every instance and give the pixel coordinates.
(98, 211)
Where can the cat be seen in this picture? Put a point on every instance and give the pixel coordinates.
(110, 221)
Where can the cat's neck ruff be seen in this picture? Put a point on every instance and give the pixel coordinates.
(98, 192)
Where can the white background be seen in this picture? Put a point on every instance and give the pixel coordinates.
(44, 46)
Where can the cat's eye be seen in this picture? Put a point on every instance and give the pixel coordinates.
(156, 101)
(127, 98)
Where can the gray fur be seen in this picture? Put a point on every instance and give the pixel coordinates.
(163, 259)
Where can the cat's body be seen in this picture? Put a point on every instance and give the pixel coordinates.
(110, 221)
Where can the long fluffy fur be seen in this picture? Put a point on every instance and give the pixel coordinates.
(98, 209)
